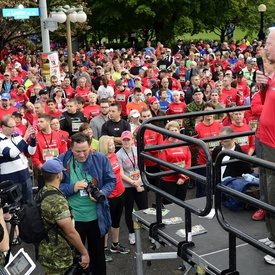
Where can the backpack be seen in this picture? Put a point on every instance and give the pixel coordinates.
(31, 226)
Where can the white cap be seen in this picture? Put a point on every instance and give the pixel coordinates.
(228, 72)
(147, 91)
(17, 65)
(134, 113)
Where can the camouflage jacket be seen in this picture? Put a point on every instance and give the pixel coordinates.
(190, 122)
(55, 257)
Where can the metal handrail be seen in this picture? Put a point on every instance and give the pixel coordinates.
(219, 189)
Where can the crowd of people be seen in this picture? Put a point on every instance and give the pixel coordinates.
(88, 120)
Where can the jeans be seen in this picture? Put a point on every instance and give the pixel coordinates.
(26, 190)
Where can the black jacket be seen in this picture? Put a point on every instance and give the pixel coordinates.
(235, 169)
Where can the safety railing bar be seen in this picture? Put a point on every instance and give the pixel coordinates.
(197, 114)
(176, 168)
(247, 238)
(246, 198)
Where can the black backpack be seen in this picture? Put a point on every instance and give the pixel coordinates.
(31, 226)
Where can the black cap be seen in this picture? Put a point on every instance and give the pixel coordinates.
(17, 114)
(240, 73)
(198, 90)
(64, 64)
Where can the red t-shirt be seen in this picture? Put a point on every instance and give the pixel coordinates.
(48, 144)
(69, 91)
(82, 92)
(20, 98)
(57, 114)
(206, 131)
(231, 95)
(176, 109)
(119, 188)
(122, 99)
(9, 111)
(91, 111)
(151, 138)
(245, 142)
(180, 156)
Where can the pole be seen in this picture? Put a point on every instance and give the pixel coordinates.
(69, 43)
(262, 20)
(44, 32)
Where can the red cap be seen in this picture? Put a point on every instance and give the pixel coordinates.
(126, 134)
(152, 100)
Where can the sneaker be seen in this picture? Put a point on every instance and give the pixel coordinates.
(269, 259)
(108, 256)
(132, 238)
(153, 241)
(119, 249)
(259, 215)
(267, 242)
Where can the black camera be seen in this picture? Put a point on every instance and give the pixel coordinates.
(94, 191)
(75, 268)
(9, 193)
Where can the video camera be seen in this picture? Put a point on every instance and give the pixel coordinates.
(94, 191)
(9, 193)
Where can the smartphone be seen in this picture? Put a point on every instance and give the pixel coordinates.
(34, 124)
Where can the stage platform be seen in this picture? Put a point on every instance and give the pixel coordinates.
(211, 248)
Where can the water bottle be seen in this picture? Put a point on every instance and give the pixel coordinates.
(250, 178)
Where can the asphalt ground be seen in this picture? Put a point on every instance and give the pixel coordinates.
(125, 264)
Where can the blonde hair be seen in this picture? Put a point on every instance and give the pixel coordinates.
(172, 123)
(103, 144)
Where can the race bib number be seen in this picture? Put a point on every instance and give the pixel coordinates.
(181, 164)
(50, 153)
(134, 175)
(75, 126)
(83, 193)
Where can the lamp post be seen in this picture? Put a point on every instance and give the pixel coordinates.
(262, 10)
(44, 32)
(69, 14)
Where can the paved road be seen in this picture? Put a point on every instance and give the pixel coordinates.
(125, 264)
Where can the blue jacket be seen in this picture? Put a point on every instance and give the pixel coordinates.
(99, 167)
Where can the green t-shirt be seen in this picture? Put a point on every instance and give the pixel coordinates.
(84, 209)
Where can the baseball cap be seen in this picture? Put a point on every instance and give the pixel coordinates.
(152, 100)
(98, 67)
(17, 65)
(240, 73)
(137, 78)
(124, 73)
(6, 73)
(53, 166)
(6, 96)
(134, 113)
(17, 114)
(126, 134)
(228, 72)
(147, 91)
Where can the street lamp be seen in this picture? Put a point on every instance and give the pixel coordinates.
(262, 10)
(69, 14)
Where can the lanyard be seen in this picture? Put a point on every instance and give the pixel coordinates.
(48, 145)
(81, 172)
(133, 162)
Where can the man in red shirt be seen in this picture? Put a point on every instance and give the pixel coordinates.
(92, 110)
(242, 85)
(229, 94)
(69, 90)
(121, 97)
(205, 129)
(247, 143)
(5, 107)
(15, 76)
(49, 145)
(177, 107)
(53, 111)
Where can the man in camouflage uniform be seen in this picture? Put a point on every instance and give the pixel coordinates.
(57, 257)
(191, 122)
(194, 106)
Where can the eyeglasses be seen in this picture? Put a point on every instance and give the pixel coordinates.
(104, 107)
(11, 127)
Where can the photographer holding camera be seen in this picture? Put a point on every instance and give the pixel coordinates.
(13, 162)
(87, 183)
(55, 254)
